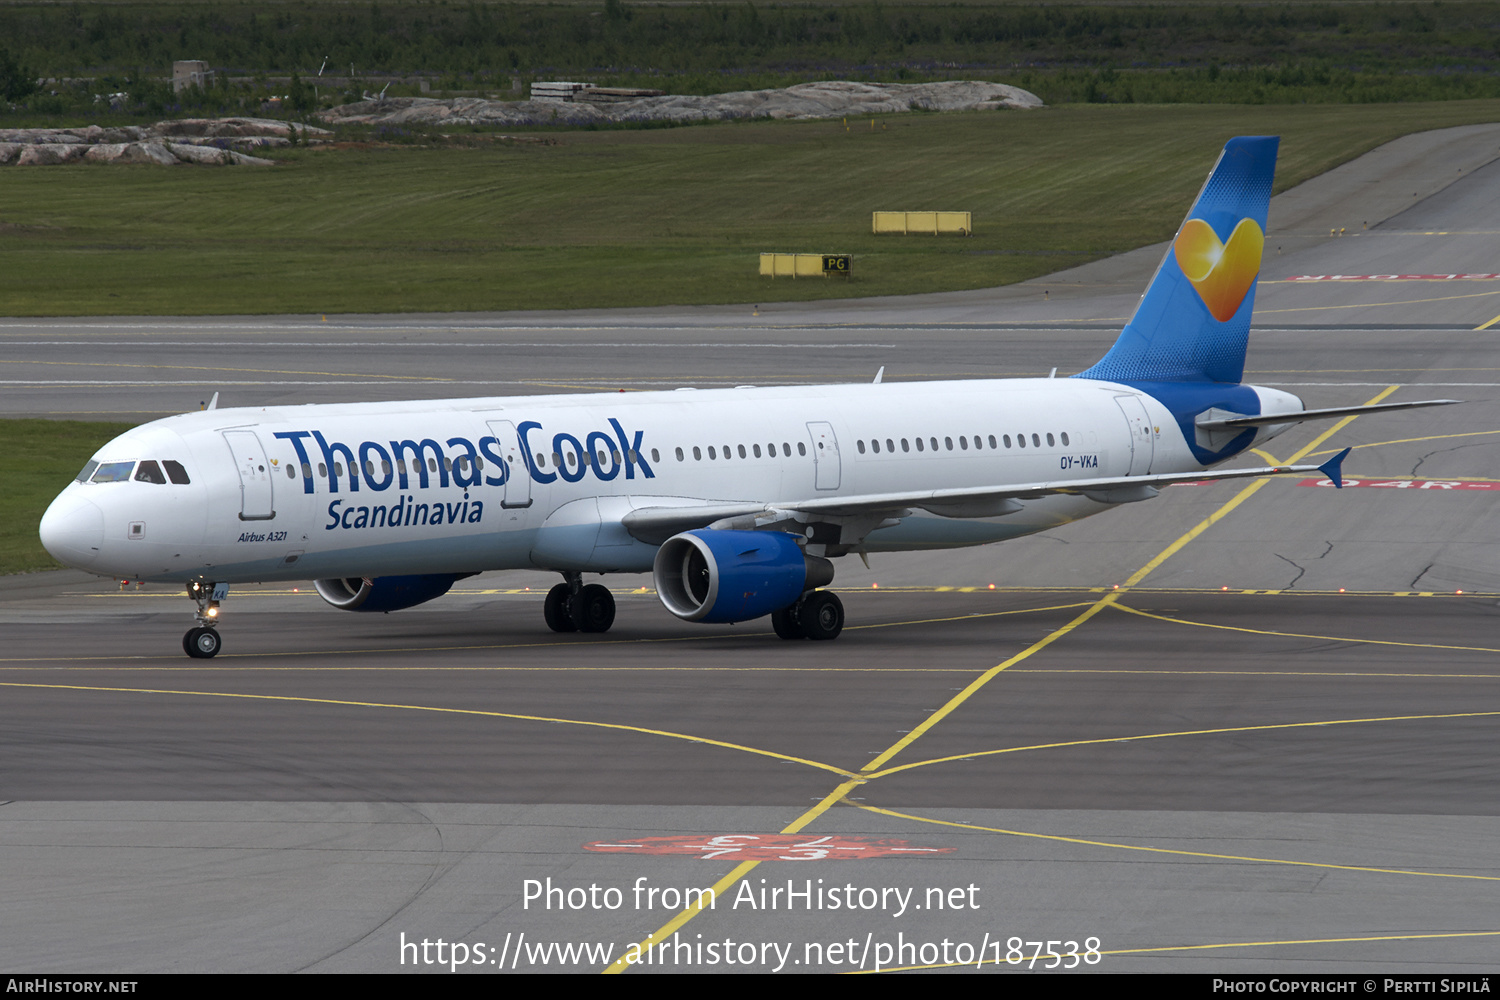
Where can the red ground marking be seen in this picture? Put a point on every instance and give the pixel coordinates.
(1393, 277)
(1406, 484)
(768, 847)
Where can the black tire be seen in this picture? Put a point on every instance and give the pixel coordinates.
(593, 609)
(785, 623)
(201, 643)
(821, 615)
(557, 611)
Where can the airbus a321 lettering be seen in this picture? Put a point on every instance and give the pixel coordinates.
(738, 501)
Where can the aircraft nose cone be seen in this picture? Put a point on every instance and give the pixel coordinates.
(73, 530)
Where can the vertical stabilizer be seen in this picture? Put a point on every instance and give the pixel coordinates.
(1193, 322)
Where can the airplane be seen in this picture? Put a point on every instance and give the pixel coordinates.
(738, 501)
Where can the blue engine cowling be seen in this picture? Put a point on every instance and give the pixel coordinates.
(386, 593)
(734, 576)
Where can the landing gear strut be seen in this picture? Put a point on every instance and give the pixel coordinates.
(818, 615)
(573, 607)
(202, 642)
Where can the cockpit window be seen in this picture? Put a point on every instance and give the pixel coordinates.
(150, 472)
(88, 470)
(113, 472)
(176, 472)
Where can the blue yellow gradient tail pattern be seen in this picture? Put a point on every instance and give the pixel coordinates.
(1193, 323)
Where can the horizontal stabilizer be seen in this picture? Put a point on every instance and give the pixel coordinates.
(1297, 416)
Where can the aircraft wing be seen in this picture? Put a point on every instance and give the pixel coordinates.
(656, 524)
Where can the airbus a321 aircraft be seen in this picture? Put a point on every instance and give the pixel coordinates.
(736, 500)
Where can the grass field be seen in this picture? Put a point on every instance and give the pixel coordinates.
(38, 460)
(642, 217)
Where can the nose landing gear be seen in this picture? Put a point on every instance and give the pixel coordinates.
(202, 642)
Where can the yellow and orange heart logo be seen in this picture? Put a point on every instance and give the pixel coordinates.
(1220, 272)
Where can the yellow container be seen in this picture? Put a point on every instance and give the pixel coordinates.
(931, 223)
(801, 265)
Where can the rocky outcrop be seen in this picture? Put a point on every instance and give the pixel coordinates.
(829, 99)
(54, 152)
(257, 130)
(210, 141)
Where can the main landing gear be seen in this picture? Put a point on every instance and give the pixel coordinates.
(202, 642)
(818, 615)
(573, 607)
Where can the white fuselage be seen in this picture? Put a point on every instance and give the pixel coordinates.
(446, 487)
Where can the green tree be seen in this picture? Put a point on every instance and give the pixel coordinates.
(299, 95)
(16, 81)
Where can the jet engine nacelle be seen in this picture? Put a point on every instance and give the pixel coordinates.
(387, 593)
(734, 576)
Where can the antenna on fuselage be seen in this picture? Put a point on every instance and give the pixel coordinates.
(212, 404)
(879, 375)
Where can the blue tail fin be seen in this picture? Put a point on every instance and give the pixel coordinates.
(1193, 322)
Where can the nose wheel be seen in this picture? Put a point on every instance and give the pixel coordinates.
(202, 641)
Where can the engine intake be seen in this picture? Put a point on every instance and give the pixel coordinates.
(733, 576)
